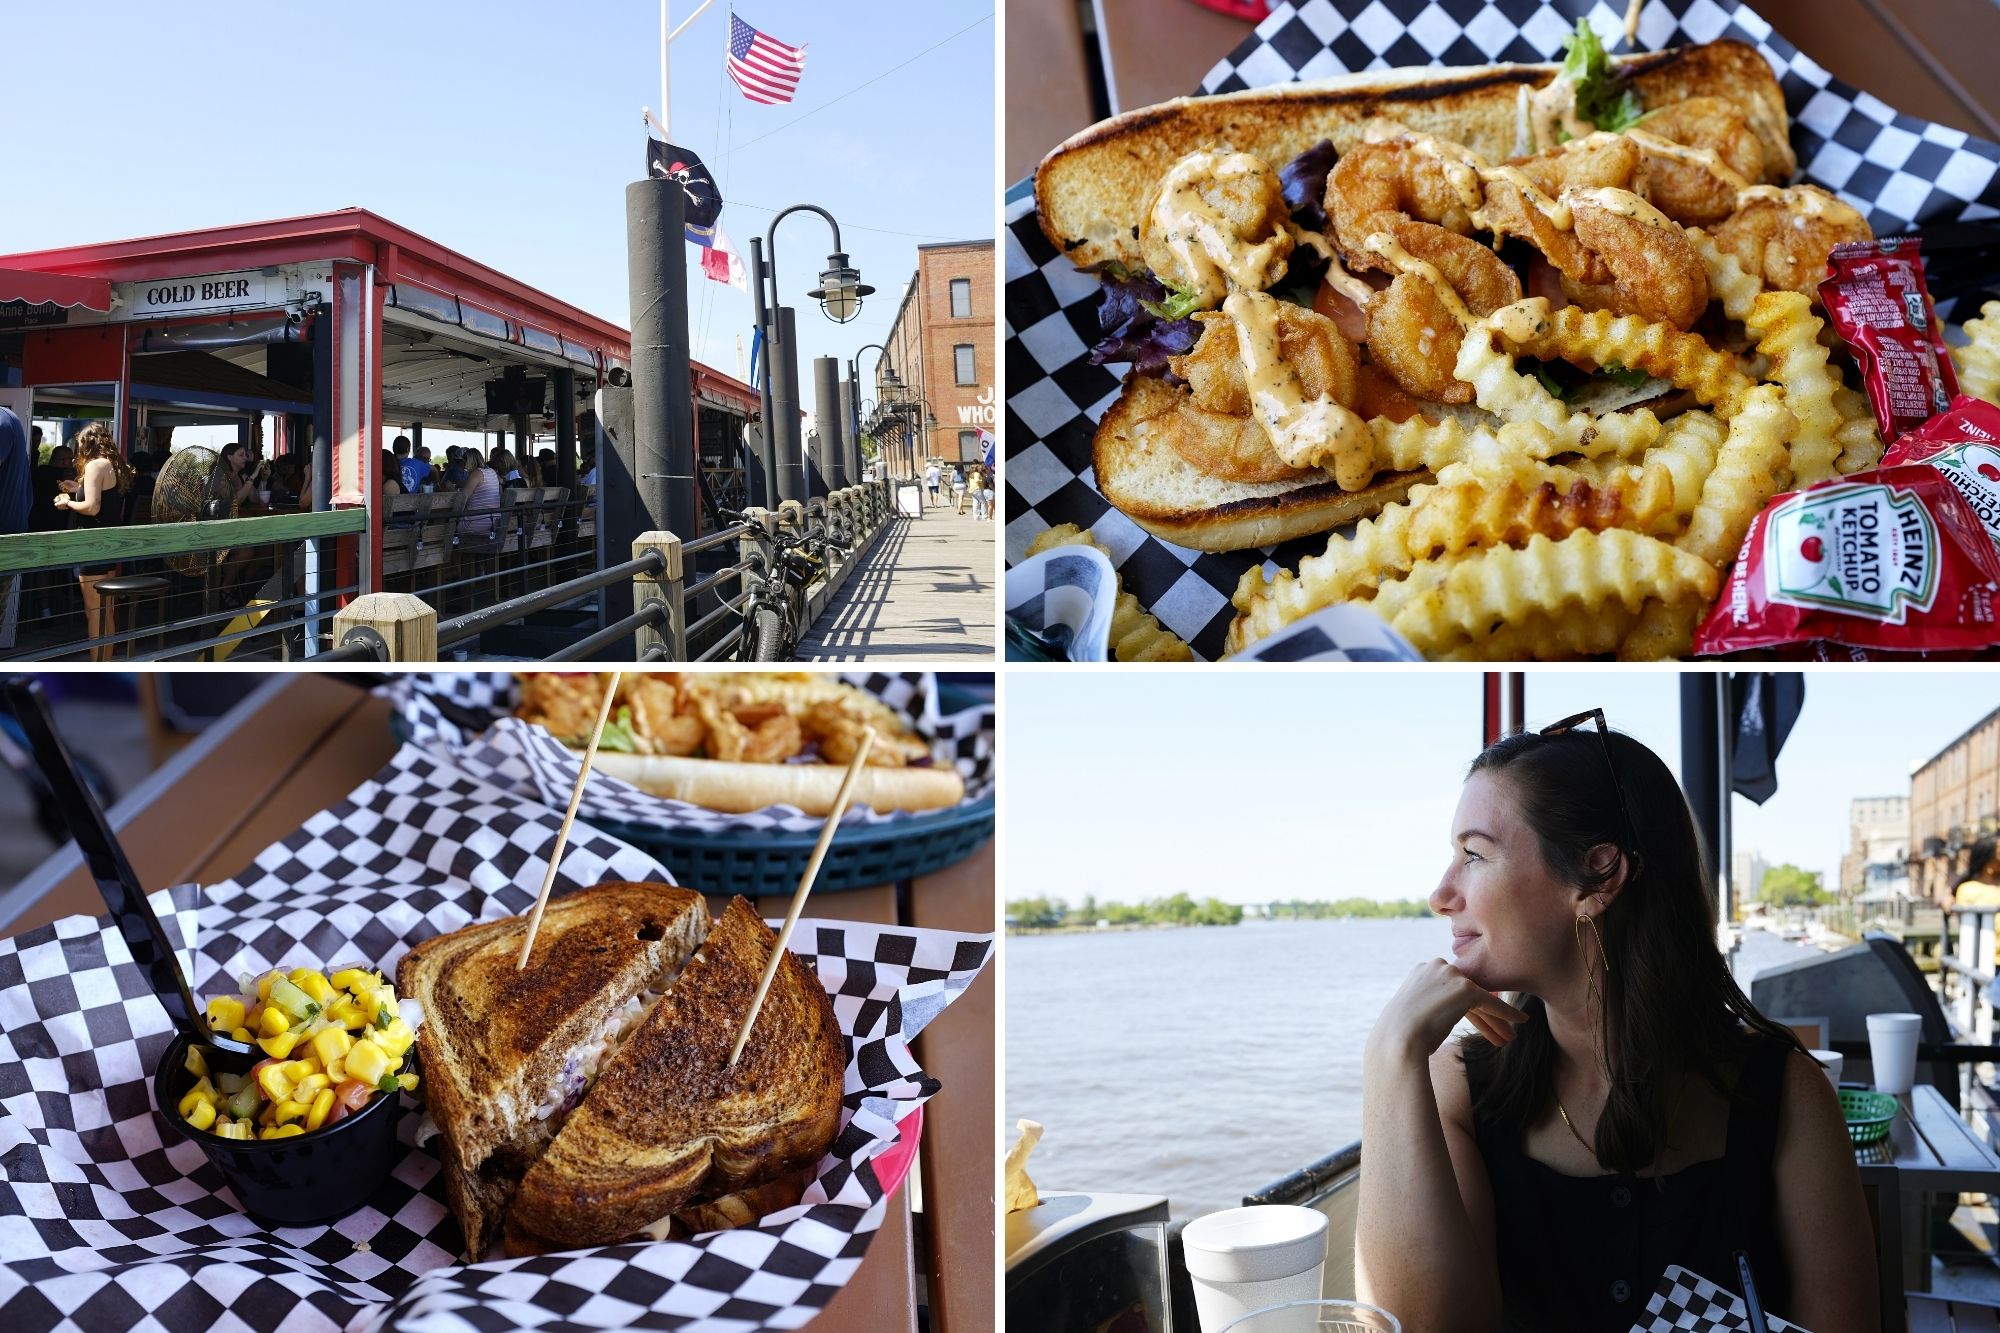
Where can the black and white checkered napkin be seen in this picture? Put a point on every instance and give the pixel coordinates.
(1898, 170)
(110, 1221)
(1686, 1302)
(517, 757)
(1065, 597)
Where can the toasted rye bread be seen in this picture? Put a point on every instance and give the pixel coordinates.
(494, 1040)
(669, 1121)
(1092, 190)
(1169, 497)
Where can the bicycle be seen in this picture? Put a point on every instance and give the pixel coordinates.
(774, 611)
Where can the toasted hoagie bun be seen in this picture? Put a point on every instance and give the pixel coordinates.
(1091, 191)
(717, 784)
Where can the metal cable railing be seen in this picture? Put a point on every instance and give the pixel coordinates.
(662, 604)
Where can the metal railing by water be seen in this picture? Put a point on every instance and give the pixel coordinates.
(403, 627)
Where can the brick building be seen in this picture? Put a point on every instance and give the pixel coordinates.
(942, 349)
(1954, 814)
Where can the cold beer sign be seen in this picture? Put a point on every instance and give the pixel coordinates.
(183, 296)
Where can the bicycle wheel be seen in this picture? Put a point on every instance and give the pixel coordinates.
(765, 635)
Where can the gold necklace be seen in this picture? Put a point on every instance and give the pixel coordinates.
(1572, 1129)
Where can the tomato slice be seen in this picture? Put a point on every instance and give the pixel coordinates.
(1341, 309)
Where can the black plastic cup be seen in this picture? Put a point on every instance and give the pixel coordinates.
(301, 1179)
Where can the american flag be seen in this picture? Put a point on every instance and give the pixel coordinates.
(764, 68)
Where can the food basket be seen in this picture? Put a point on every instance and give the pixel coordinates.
(1869, 1114)
(1900, 172)
(757, 857)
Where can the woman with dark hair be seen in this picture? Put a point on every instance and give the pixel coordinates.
(392, 475)
(230, 485)
(1629, 1111)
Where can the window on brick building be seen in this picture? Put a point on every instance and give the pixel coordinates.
(961, 358)
(968, 444)
(961, 298)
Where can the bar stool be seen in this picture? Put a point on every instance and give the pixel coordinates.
(142, 590)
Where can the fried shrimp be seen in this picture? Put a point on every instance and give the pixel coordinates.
(1592, 162)
(1699, 155)
(1376, 185)
(1785, 235)
(1650, 268)
(1413, 330)
(1218, 221)
(1214, 427)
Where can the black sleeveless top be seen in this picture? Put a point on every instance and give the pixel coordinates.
(1585, 1253)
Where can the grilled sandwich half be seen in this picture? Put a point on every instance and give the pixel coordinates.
(507, 1053)
(669, 1124)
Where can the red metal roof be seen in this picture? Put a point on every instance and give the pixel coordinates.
(64, 289)
(347, 233)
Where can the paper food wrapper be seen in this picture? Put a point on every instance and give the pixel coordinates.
(110, 1220)
(1901, 172)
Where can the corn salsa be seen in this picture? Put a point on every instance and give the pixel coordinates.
(330, 1044)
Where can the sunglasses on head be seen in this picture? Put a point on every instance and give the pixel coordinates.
(1569, 724)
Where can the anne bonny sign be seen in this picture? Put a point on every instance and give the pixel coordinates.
(181, 296)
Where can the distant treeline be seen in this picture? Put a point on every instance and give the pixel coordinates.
(1182, 910)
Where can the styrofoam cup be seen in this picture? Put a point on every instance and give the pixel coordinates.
(1892, 1049)
(1831, 1062)
(1243, 1259)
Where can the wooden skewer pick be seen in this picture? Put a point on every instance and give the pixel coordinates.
(854, 767)
(562, 834)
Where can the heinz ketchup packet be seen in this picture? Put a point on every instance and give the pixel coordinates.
(1894, 558)
(1963, 444)
(1877, 301)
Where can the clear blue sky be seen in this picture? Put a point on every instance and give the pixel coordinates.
(506, 131)
(1330, 784)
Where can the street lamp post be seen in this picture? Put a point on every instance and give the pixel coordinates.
(839, 294)
(854, 404)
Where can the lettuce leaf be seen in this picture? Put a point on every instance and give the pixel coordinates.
(1617, 374)
(617, 734)
(1304, 181)
(1599, 98)
(1132, 314)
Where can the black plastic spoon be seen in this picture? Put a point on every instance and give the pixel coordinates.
(120, 887)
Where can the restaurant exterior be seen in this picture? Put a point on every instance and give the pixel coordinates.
(330, 327)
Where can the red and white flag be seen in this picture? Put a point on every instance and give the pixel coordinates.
(765, 69)
(721, 263)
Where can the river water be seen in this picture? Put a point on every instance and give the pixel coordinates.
(1205, 1063)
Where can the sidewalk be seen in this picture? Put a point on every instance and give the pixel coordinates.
(924, 592)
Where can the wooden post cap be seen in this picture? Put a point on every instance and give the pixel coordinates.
(668, 544)
(405, 624)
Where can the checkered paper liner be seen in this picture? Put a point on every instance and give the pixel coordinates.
(518, 757)
(1898, 170)
(1687, 1302)
(1066, 596)
(110, 1220)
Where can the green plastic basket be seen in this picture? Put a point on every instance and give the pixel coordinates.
(763, 864)
(1869, 1114)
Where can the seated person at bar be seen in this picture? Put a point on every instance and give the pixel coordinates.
(482, 497)
(505, 467)
(288, 480)
(454, 467)
(230, 483)
(1635, 1111)
(48, 480)
(392, 483)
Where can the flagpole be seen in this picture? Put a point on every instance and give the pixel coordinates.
(666, 85)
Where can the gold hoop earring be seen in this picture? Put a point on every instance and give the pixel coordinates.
(1603, 959)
